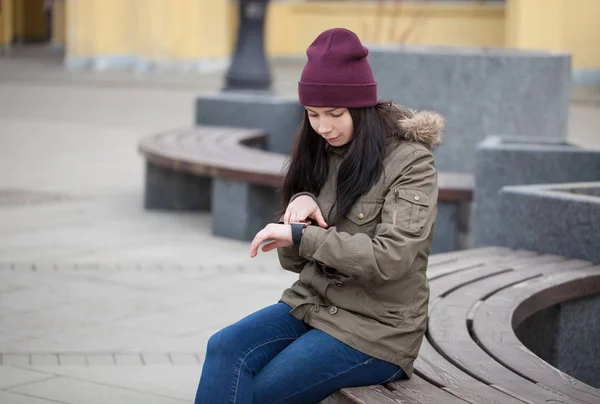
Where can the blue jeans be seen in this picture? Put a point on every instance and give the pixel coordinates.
(271, 357)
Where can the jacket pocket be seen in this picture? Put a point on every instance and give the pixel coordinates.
(411, 206)
(364, 216)
(374, 309)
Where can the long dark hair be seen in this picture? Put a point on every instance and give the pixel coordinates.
(359, 171)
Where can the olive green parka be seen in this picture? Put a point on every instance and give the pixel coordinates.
(363, 280)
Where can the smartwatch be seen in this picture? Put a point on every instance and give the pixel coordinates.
(297, 230)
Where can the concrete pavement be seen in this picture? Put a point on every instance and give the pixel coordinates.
(100, 300)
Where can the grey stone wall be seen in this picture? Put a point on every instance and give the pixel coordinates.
(451, 230)
(240, 210)
(552, 219)
(566, 336)
(480, 91)
(279, 116)
(503, 161)
(166, 189)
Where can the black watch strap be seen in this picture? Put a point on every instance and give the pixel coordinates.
(297, 232)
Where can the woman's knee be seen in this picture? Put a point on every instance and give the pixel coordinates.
(223, 340)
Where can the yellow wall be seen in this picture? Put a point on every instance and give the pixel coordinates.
(390, 22)
(6, 22)
(558, 25)
(152, 29)
(532, 25)
(581, 33)
(206, 29)
(58, 22)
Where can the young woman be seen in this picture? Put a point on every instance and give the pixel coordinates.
(360, 203)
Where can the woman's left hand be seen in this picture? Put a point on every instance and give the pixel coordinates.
(280, 233)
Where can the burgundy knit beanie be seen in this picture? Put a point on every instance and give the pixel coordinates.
(337, 73)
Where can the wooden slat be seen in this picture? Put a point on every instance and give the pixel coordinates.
(453, 256)
(437, 271)
(423, 392)
(367, 395)
(434, 367)
(455, 281)
(448, 329)
(456, 187)
(493, 327)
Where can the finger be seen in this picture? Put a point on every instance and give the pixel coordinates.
(259, 238)
(294, 217)
(252, 250)
(301, 217)
(286, 217)
(318, 216)
(271, 246)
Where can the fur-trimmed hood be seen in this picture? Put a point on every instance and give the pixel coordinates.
(425, 127)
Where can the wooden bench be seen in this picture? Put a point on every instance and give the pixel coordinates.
(217, 152)
(227, 170)
(471, 353)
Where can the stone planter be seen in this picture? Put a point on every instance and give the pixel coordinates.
(561, 219)
(279, 116)
(504, 161)
(480, 91)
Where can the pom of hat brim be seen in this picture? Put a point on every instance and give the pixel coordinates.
(337, 95)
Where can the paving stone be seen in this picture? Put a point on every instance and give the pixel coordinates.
(100, 359)
(66, 359)
(11, 376)
(53, 319)
(97, 339)
(44, 359)
(156, 359)
(128, 359)
(168, 381)
(16, 359)
(71, 391)
(7, 397)
(184, 359)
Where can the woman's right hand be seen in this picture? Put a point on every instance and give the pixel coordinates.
(303, 208)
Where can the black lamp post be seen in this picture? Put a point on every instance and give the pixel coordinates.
(249, 69)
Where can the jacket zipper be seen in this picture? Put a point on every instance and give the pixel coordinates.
(396, 199)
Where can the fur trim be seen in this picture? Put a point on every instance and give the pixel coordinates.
(423, 127)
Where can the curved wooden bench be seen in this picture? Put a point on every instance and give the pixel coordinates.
(235, 153)
(498, 316)
(186, 168)
(450, 328)
(213, 151)
(474, 294)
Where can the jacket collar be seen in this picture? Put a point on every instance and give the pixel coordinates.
(340, 150)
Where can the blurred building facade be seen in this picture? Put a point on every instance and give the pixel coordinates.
(199, 34)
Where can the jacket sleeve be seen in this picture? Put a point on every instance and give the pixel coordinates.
(407, 219)
(289, 257)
